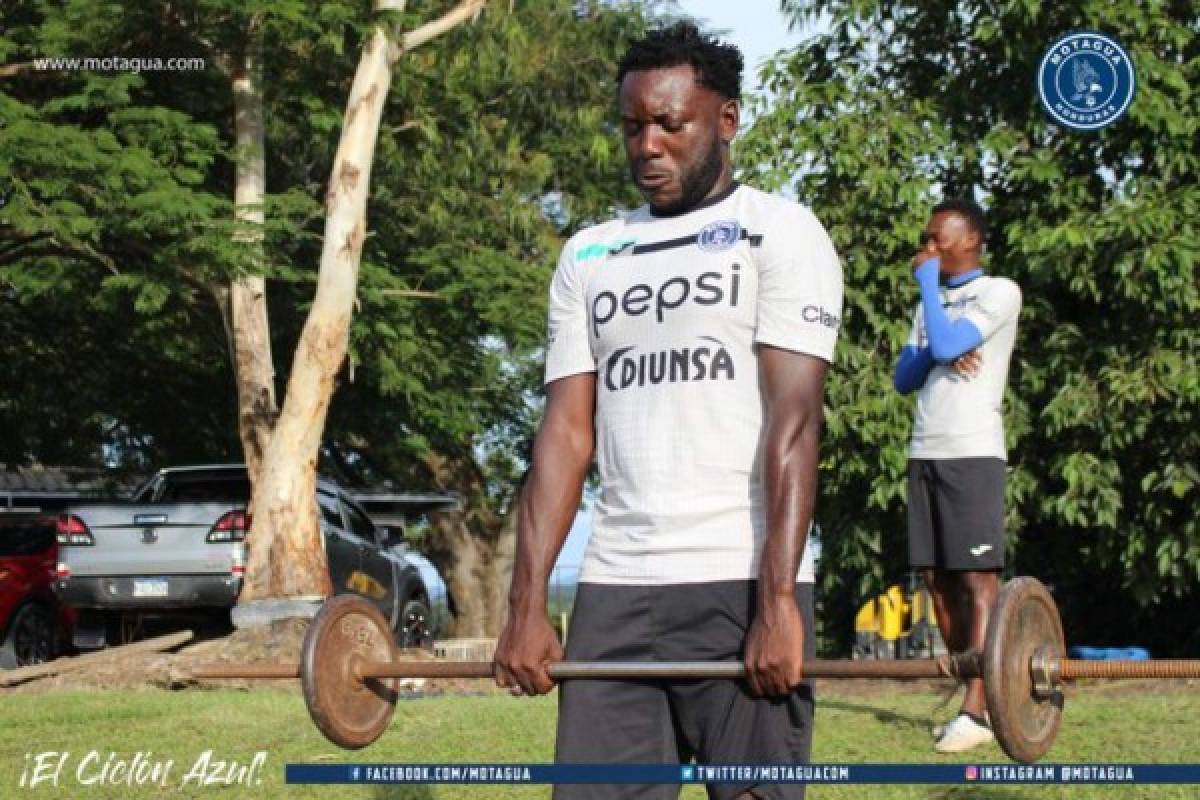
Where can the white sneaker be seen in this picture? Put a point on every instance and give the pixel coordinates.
(937, 730)
(963, 733)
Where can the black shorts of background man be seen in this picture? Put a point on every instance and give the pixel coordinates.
(956, 359)
(687, 351)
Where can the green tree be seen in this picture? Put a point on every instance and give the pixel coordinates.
(108, 239)
(892, 107)
(496, 144)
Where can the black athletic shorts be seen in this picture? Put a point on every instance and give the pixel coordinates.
(956, 513)
(676, 721)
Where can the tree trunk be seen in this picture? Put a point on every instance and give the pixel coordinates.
(285, 558)
(243, 303)
(473, 548)
(254, 368)
(285, 555)
(476, 563)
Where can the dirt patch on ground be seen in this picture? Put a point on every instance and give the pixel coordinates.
(274, 644)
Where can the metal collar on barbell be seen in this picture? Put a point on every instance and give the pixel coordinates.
(1044, 669)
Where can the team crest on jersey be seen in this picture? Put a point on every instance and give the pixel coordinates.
(717, 236)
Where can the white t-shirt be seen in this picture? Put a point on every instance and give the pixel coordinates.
(667, 311)
(959, 417)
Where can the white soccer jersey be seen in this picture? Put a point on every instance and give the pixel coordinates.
(959, 417)
(667, 312)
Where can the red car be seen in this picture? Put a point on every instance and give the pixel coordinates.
(33, 623)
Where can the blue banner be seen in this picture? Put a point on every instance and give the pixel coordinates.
(743, 773)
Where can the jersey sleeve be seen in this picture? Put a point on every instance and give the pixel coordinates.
(568, 349)
(799, 285)
(994, 307)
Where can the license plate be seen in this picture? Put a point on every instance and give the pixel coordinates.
(155, 587)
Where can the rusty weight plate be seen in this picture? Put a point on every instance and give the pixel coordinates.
(1024, 620)
(346, 633)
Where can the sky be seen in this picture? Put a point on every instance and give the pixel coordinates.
(755, 26)
(758, 29)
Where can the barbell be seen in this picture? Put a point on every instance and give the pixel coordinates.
(349, 666)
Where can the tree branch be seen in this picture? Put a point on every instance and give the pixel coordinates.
(222, 58)
(56, 248)
(421, 293)
(20, 242)
(407, 125)
(467, 10)
(13, 70)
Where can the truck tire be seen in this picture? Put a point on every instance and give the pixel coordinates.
(412, 629)
(30, 638)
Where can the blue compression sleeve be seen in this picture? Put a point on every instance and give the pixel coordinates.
(947, 340)
(912, 369)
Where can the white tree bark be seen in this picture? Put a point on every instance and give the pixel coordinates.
(243, 302)
(285, 557)
(248, 320)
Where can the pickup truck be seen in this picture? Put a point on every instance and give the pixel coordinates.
(178, 548)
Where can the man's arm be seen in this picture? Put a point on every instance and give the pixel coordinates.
(562, 453)
(793, 390)
(947, 339)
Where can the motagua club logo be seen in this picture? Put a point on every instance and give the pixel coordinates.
(717, 236)
(1086, 80)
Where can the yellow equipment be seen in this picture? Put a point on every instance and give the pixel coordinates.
(897, 624)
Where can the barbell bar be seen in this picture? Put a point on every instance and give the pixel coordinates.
(567, 670)
(349, 664)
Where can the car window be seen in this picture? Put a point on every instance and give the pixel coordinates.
(145, 492)
(27, 538)
(330, 512)
(360, 523)
(197, 490)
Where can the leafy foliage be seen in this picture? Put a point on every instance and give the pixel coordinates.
(117, 205)
(899, 104)
(108, 240)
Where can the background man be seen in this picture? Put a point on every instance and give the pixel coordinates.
(688, 344)
(957, 358)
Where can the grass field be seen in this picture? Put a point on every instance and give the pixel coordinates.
(871, 724)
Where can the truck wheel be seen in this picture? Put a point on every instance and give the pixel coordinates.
(30, 638)
(413, 628)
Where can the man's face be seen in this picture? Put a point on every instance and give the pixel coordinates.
(677, 134)
(949, 237)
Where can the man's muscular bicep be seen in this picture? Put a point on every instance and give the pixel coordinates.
(571, 409)
(793, 383)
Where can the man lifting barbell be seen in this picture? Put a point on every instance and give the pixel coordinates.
(687, 351)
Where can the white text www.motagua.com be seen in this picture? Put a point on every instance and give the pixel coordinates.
(95, 768)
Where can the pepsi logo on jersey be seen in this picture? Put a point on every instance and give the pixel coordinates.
(709, 289)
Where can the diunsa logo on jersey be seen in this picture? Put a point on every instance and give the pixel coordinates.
(717, 236)
(1086, 81)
